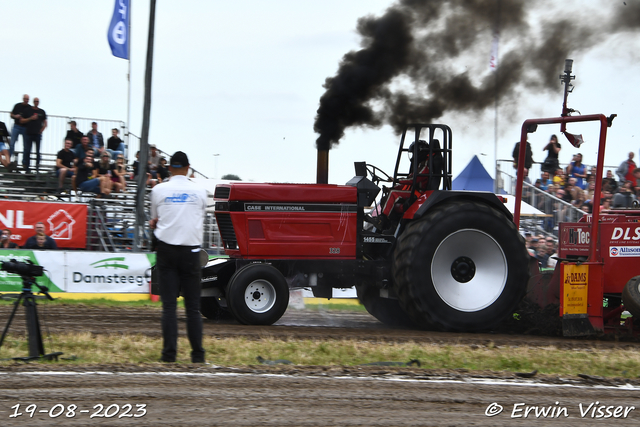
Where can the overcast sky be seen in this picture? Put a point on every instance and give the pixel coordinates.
(243, 79)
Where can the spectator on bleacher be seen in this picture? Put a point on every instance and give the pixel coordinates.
(95, 138)
(578, 171)
(21, 111)
(75, 134)
(86, 179)
(625, 170)
(115, 145)
(541, 253)
(163, 170)
(545, 181)
(81, 150)
(609, 183)
(154, 161)
(559, 177)
(136, 169)
(104, 169)
(636, 188)
(65, 163)
(551, 163)
(119, 173)
(5, 240)
(552, 250)
(35, 127)
(5, 158)
(625, 197)
(605, 203)
(32, 242)
(528, 156)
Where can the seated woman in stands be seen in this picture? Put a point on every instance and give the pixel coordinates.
(118, 172)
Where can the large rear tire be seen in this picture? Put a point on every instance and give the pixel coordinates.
(257, 294)
(463, 266)
(386, 310)
(631, 297)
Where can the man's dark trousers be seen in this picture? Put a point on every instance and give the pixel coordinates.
(179, 269)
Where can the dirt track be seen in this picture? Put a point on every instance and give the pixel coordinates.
(293, 395)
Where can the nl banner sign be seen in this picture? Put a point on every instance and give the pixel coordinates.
(64, 222)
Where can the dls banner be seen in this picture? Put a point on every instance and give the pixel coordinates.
(65, 222)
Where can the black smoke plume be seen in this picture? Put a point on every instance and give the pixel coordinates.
(420, 59)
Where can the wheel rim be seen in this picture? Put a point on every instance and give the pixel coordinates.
(469, 270)
(260, 296)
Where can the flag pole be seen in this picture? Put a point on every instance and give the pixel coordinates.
(141, 179)
(126, 148)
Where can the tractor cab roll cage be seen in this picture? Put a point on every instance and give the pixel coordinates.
(439, 163)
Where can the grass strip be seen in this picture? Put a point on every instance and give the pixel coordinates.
(140, 349)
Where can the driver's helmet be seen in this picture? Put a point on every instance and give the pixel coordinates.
(423, 150)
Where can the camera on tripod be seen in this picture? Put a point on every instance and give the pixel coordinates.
(22, 268)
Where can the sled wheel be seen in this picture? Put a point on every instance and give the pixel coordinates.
(257, 294)
(386, 310)
(631, 297)
(463, 266)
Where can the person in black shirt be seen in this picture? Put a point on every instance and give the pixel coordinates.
(74, 134)
(21, 111)
(115, 145)
(85, 180)
(35, 126)
(105, 171)
(32, 242)
(65, 163)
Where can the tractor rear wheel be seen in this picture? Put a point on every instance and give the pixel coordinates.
(257, 294)
(631, 297)
(386, 310)
(463, 266)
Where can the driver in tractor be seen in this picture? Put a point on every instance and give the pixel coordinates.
(396, 202)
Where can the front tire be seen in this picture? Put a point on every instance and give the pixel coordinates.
(463, 266)
(258, 294)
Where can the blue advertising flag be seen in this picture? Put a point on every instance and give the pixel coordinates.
(118, 34)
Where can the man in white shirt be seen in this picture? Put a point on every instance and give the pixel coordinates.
(177, 211)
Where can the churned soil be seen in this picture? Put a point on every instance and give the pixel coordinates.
(261, 395)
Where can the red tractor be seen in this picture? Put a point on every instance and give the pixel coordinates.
(425, 256)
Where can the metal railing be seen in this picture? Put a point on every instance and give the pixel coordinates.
(57, 127)
(554, 210)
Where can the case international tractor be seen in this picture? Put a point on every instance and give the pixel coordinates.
(425, 256)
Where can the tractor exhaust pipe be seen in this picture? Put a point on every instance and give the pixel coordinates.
(322, 172)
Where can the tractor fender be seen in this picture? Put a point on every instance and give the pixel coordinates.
(217, 272)
(431, 199)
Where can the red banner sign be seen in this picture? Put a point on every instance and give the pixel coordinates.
(65, 222)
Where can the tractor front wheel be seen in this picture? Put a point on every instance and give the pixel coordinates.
(462, 266)
(257, 294)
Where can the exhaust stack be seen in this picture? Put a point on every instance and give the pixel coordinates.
(322, 171)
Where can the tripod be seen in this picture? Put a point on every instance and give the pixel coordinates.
(36, 347)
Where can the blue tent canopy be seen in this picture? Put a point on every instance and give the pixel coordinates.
(474, 177)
